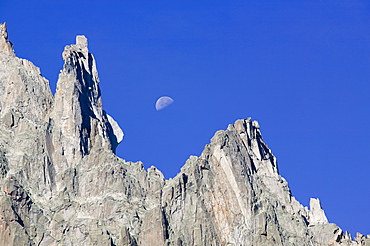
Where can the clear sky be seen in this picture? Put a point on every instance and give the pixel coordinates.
(301, 68)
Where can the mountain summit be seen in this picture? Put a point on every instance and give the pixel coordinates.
(62, 184)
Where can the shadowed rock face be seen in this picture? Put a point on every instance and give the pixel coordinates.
(62, 184)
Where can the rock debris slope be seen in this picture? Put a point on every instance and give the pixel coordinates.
(62, 184)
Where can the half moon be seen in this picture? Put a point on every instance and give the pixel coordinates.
(163, 102)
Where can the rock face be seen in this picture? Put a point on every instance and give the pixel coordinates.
(62, 184)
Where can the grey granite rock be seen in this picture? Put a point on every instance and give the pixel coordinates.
(62, 184)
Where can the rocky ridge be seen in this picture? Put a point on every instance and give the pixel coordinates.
(62, 184)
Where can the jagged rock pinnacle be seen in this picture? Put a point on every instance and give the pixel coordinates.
(80, 122)
(316, 214)
(6, 47)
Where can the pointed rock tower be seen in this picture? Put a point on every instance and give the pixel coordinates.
(79, 122)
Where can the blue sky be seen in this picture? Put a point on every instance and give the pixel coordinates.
(301, 68)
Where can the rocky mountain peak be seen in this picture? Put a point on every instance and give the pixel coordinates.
(62, 184)
(6, 47)
(316, 214)
(79, 119)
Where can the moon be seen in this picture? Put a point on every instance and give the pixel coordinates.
(163, 102)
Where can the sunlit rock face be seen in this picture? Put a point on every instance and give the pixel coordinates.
(62, 184)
